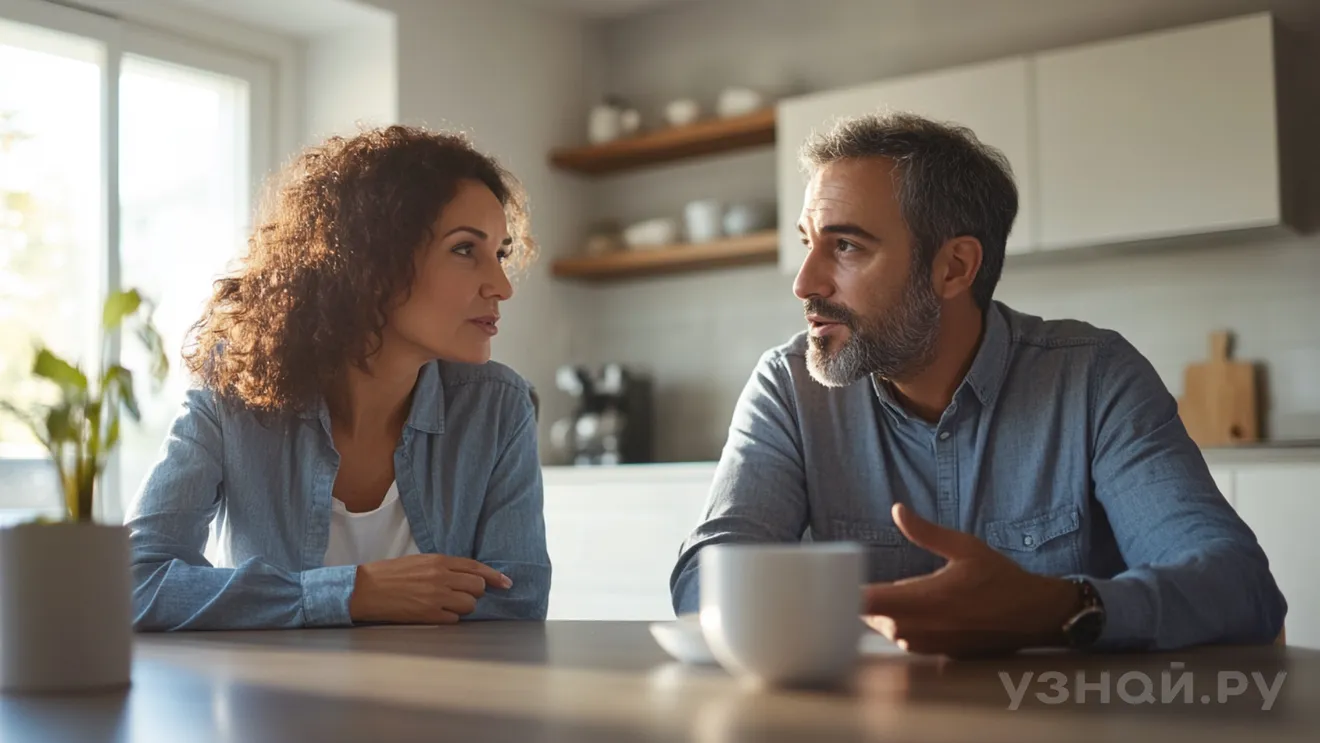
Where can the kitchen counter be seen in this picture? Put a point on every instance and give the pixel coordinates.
(1263, 453)
(657, 473)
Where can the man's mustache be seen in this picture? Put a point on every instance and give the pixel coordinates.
(832, 312)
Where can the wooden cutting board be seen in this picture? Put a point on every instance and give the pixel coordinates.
(1219, 406)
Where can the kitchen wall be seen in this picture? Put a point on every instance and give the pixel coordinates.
(351, 77)
(701, 335)
(518, 80)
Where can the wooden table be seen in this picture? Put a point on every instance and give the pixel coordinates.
(597, 681)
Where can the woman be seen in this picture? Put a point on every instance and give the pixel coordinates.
(352, 448)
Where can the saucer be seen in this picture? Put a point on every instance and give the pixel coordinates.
(683, 640)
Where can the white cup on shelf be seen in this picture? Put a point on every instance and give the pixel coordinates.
(704, 220)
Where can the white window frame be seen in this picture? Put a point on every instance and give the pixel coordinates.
(120, 37)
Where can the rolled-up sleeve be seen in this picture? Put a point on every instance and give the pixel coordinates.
(510, 534)
(174, 586)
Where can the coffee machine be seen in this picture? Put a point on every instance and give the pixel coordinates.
(612, 423)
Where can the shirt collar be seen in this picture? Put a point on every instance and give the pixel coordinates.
(887, 399)
(986, 376)
(428, 403)
(427, 413)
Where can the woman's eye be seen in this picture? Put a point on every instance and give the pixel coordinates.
(464, 249)
(503, 254)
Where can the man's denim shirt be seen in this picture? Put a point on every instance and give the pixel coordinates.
(468, 476)
(1061, 449)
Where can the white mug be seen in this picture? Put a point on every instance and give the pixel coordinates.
(603, 124)
(704, 220)
(783, 614)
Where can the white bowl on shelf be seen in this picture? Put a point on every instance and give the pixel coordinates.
(651, 233)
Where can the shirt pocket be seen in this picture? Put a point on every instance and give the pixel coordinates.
(889, 554)
(1047, 543)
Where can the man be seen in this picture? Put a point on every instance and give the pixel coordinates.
(1018, 483)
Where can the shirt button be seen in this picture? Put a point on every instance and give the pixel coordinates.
(944, 436)
(1027, 540)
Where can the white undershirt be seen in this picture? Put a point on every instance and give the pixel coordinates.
(381, 534)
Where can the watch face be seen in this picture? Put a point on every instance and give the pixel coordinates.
(1085, 628)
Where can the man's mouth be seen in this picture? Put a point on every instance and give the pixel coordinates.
(822, 326)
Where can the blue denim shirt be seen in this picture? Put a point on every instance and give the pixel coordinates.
(1061, 449)
(469, 480)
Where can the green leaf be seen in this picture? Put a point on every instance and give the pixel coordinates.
(59, 371)
(59, 425)
(118, 306)
(155, 345)
(111, 439)
(120, 381)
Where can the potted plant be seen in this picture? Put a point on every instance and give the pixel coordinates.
(65, 588)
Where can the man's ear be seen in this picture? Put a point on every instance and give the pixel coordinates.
(955, 266)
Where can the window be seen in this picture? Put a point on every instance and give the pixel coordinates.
(136, 172)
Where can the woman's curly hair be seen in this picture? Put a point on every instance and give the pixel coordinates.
(331, 254)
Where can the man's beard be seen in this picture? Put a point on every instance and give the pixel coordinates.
(897, 344)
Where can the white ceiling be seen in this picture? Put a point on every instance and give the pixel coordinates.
(294, 17)
(314, 17)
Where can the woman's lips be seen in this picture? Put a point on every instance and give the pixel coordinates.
(487, 325)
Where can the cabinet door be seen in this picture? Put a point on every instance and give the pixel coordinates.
(1281, 503)
(1225, 481)
(991, 99)
(1158, 135)
(613, 535)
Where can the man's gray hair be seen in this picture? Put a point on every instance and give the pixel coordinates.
(949, 184)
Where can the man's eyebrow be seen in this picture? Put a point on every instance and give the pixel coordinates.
(850, 229)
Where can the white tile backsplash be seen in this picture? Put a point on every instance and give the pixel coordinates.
(701, 335)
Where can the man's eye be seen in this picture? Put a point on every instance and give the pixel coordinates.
(846, 246)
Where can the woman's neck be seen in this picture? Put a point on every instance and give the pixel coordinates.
(376, 400)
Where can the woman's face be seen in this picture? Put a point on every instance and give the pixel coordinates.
(454, 305)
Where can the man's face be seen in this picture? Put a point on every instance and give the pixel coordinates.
(870, 309)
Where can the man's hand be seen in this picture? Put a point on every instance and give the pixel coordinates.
(979, 602)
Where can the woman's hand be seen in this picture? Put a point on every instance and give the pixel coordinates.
(421, 589)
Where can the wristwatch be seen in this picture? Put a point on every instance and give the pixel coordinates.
(1083, 628)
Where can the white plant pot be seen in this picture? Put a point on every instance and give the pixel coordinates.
(65, 608)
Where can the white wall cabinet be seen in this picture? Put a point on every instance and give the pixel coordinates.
(1162, 135)
(1224, 479)
(613, 534)
(1158, 135)
(1281, 504)
(992, 99)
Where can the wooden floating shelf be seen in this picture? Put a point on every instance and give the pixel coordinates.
(758, 247)
(675, 143)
